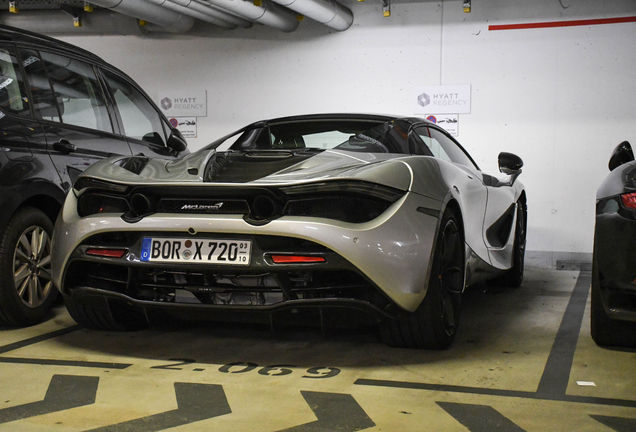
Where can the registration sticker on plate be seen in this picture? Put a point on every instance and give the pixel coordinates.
(213, 251)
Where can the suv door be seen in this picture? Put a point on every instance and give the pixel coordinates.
(56, 119)
(30, 195)
(69, 100)
(145, 129)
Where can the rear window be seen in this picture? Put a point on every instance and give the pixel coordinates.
(65, 90)
(12, 90)
(351, 135)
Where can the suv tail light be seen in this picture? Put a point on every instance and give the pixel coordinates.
(629, 200)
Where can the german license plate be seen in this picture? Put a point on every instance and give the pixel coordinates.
(212, 251)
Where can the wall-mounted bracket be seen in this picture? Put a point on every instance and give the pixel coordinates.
(386, 8)
(75, 13)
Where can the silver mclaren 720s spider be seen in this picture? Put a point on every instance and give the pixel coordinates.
(318, 218)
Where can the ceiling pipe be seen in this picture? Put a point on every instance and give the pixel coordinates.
(269, 14)
(193, 13)
(213, 12)
(52, 22)
(170, 21)
(328, 12)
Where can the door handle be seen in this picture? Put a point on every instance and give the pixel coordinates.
(64, 146)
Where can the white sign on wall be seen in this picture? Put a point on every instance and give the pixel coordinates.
(451, 99)
(448, 122)
(186, 125)
(185, 103)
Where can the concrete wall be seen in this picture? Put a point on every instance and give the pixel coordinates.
(561, 98)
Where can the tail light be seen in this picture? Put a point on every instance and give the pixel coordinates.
(346, 201)
(297, 259)
(93, 203)
(106, 253)
(629, 200)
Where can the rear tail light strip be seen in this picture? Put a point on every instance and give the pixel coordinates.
(297, 259)
(106, 253)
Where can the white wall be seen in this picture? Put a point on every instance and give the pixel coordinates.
(561, 98)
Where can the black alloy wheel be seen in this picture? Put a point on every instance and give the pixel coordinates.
(451, 277)
(26, 290)
(434, 324)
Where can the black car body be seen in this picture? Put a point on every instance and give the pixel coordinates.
(613, 317)
(61, 109)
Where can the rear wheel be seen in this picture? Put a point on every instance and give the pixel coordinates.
(26, 290)
(434, 324)
(605, 330)
(101, 314)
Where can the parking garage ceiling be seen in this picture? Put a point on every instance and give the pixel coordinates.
(170, 16)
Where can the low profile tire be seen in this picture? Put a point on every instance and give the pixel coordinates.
(26, 290)
(434, 324)
(101, 314)
(513, 277)
(605, 330)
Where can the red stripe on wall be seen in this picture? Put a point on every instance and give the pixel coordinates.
(562, 23)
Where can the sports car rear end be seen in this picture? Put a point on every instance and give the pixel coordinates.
(342, 241)
(312, 216)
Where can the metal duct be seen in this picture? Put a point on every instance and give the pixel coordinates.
(194, 14)
(214, 12)
(53, 22)
(269, 14)
(328, 12)
(141, 9)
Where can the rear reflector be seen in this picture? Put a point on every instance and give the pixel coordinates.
(108, 253)
(629, 200)
(297, 259)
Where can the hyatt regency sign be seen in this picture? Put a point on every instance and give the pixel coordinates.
(451, 99)
(184, 103)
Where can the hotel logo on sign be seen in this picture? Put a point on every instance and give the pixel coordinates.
(186, 103)
(442, 99)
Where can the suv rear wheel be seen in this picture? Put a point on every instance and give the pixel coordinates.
(26, 290)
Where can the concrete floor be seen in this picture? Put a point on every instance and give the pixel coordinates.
(523, 361)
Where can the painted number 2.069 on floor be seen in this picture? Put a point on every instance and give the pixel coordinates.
(227, 252)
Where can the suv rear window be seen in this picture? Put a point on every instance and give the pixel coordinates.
(12, 94)
(139, 118)
(73, 93)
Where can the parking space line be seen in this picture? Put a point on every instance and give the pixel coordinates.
(495, 392)
(479, 418)
(64, 392)
(74, 363)
(195, 402)
(618, 424)
(334, 411)
(556, 374)
(37, 339)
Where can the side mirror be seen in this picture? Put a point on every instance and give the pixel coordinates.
(176, 141)
(622, 154)
(510, 163)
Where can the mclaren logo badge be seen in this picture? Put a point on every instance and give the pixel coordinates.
(204, 207)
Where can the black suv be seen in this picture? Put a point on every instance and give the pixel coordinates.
(61, 109)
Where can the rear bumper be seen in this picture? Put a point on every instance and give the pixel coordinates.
(393, 251)
(615, 255)
(87, 294)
